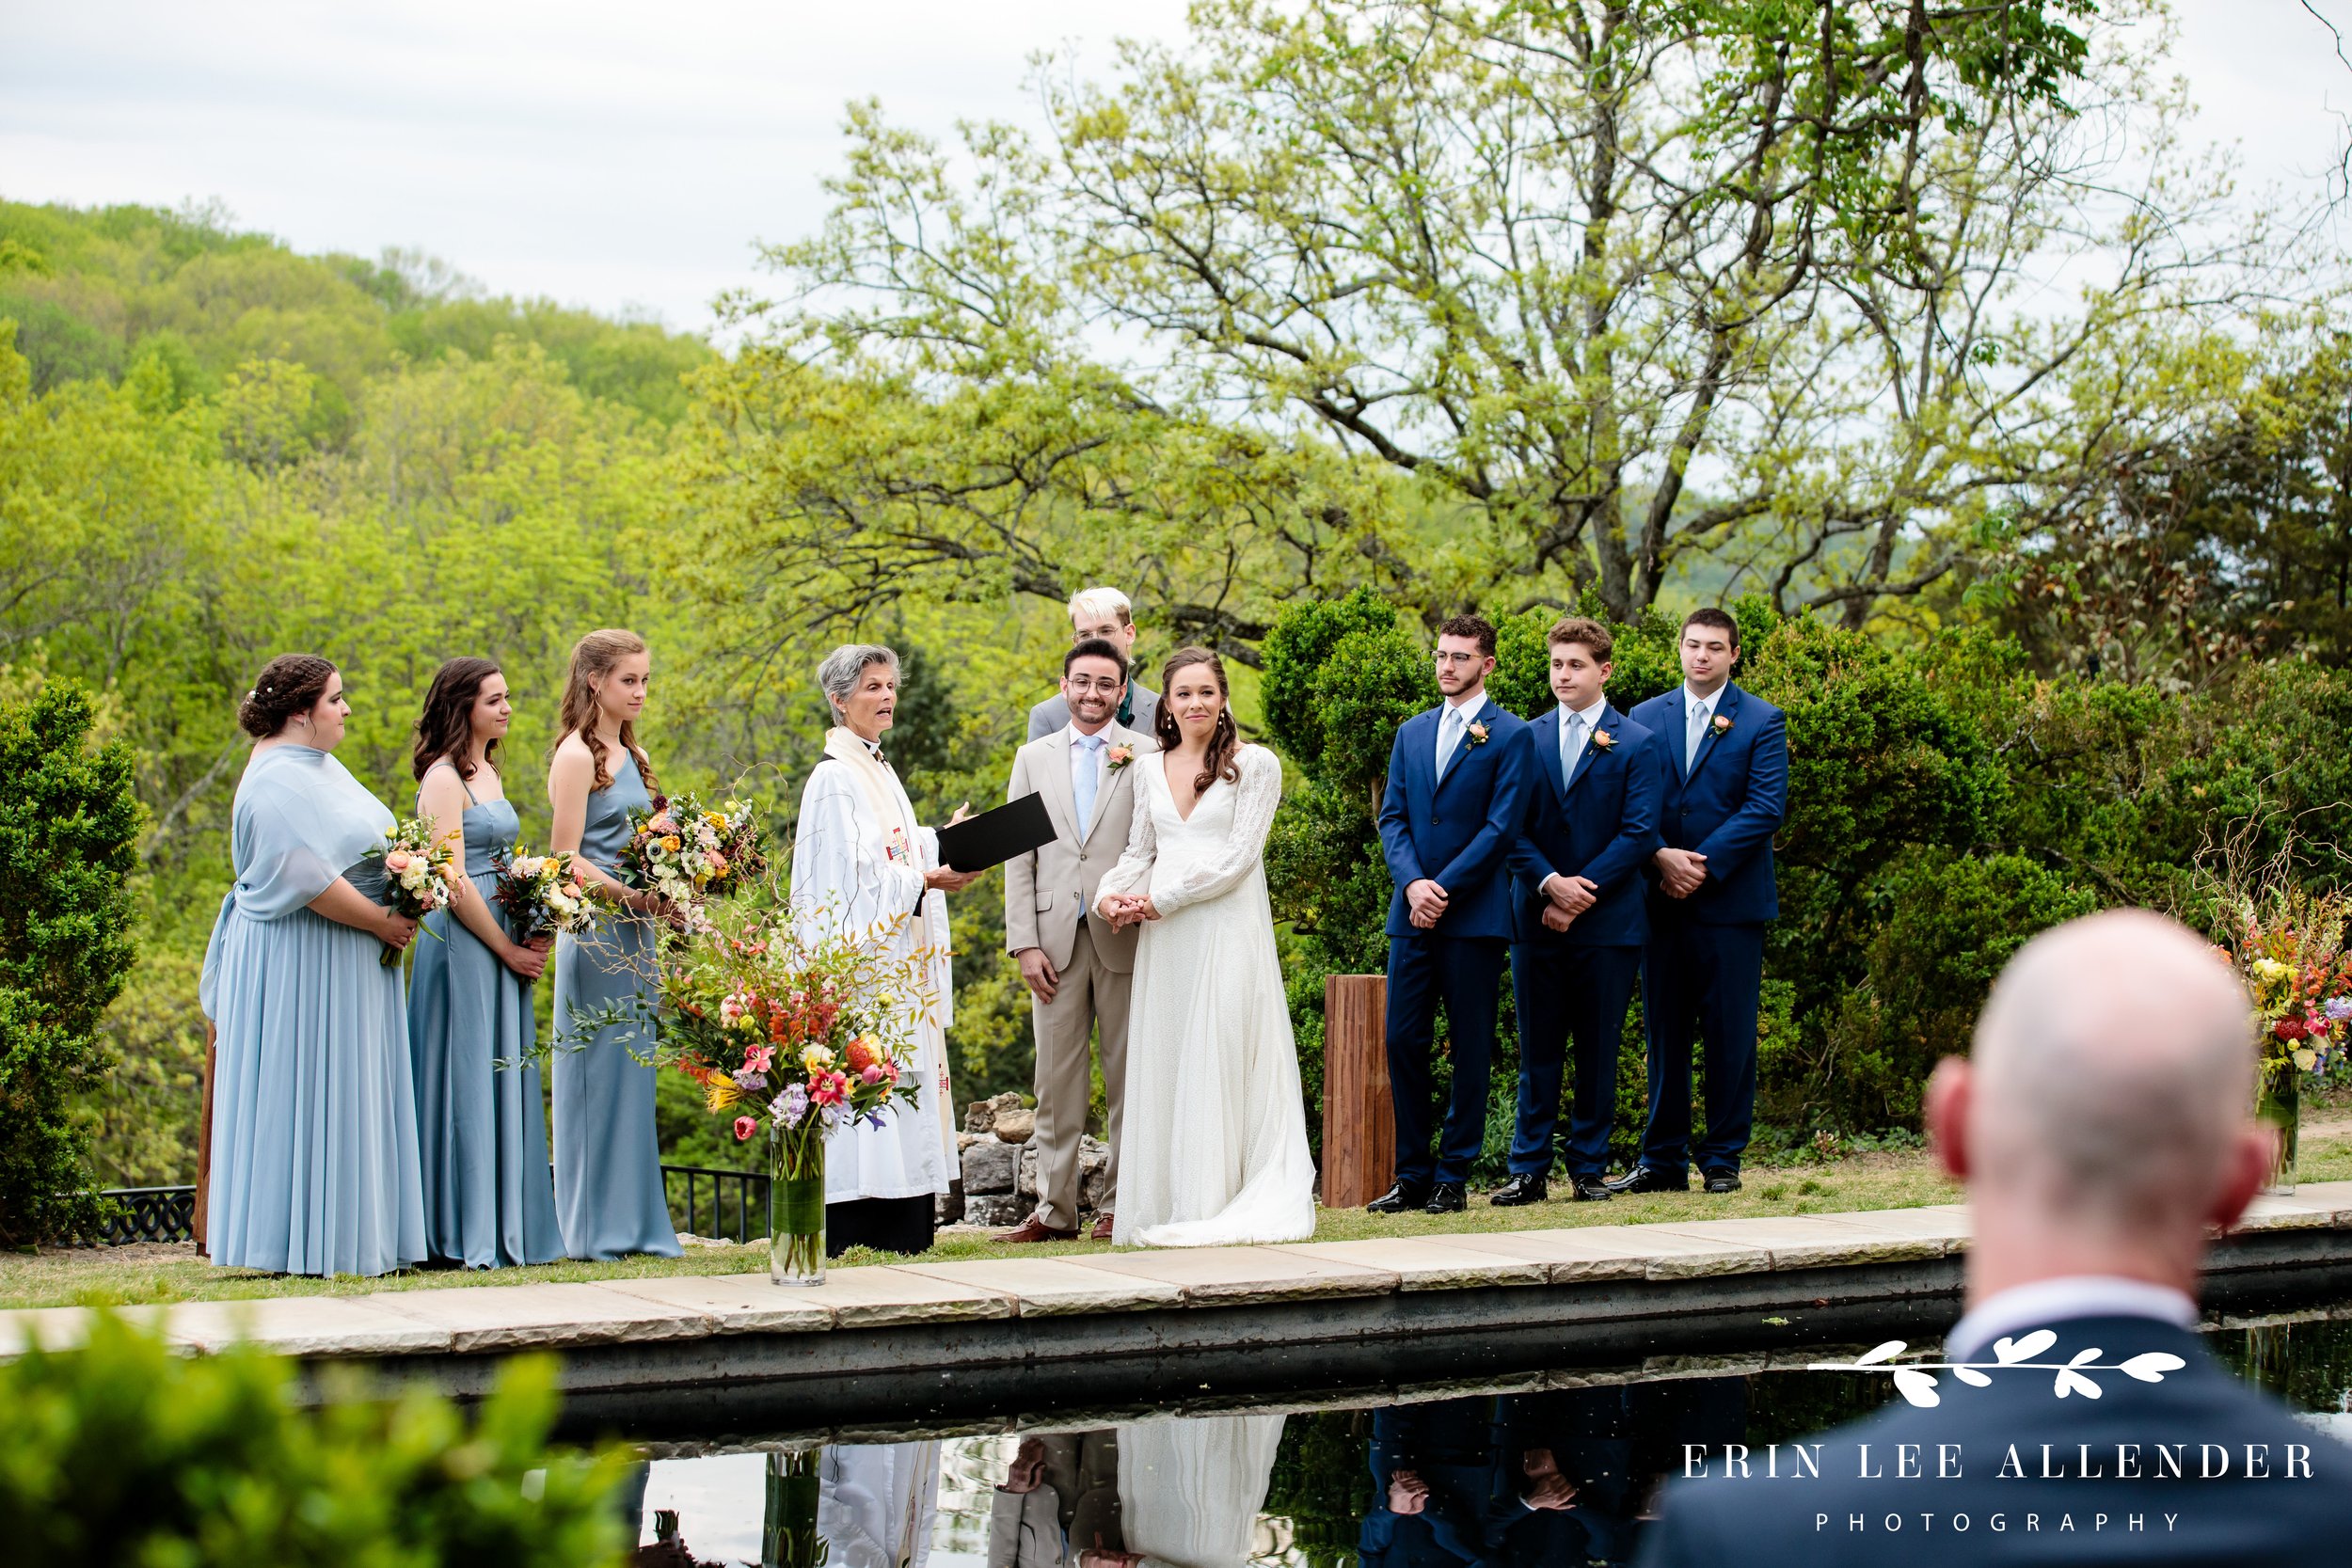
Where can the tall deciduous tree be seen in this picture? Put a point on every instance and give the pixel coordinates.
(1618, 289)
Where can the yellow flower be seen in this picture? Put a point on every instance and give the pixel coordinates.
(817, 1058)
(2270, 969)
(722, 1094)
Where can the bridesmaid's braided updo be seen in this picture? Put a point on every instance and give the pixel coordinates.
(288, 685)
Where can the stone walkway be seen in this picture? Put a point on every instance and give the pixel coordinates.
(491, 1319)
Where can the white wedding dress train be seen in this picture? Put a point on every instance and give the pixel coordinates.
(1216, 1131)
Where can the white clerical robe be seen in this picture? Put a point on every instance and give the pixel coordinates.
(877, 1504)
(851, 873)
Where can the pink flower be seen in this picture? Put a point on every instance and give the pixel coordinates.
(744, 1128)
(1722, 725)
(872, 1075)
(759, 1059)
(397, 860)
(1117, 757)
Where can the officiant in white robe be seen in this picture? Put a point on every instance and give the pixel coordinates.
(863, 864)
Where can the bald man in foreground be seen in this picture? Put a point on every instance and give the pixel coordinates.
(2102, 1124)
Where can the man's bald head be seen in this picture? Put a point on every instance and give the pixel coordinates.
(2112, 1078)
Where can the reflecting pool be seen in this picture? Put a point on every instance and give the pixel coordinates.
(1546, 1468)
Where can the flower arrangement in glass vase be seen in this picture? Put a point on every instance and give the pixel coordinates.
(791, 1033)
(691, 853)
(420, 873)
(2288, 945)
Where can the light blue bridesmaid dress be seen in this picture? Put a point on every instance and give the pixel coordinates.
(314, 1121)
(608, 1160)
(482, 1129)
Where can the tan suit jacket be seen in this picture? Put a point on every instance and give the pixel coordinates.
(1045, 890)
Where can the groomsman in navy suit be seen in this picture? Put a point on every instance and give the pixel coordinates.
(1579, 912)
(1457, 783)
(1711, 894)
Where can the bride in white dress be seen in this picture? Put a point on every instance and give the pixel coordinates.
(1216, 1132)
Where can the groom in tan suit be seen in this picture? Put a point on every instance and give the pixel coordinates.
(1077, 968)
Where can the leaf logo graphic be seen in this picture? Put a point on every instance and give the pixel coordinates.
(1916, 1381)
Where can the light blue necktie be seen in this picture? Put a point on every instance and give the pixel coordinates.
(1449, 737)
(1571, 746)
(1698, 732)
(1089, 778)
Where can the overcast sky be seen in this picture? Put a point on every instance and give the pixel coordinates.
(628, 156)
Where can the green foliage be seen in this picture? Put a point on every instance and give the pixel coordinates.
(1322, 1483)
(125, 1453)
(1948, 923)
(69, 832)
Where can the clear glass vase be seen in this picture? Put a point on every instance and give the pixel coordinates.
(796, 1205)
(2280, 1104)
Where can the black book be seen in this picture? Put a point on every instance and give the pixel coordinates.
(995, 836)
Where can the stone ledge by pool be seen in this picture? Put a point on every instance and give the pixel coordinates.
(1880, 1252)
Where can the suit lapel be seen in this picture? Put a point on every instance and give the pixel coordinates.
(1726, 711)
(1061, 803)
(1546, 728)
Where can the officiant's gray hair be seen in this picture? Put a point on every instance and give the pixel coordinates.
(2113, 1070)
(842, 667)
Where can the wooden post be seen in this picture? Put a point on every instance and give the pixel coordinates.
(1358, 1121)
(204, 1136)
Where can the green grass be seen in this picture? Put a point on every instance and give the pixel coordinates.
(152, 1274)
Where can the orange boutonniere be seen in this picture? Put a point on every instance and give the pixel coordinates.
(1722, 725)
(1477, 732)
(1604, 741)
(1117, 757)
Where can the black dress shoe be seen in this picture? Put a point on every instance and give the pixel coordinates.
(1649, 1178)
(1446, 1197)
(1526, 1187)
(1399, 1199)
(1723, 1180)
(1592, 1189)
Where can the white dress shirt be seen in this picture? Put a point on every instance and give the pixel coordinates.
(2049, 1301)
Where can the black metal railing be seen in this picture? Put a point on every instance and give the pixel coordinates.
(704, 1202)
(737, 1203)
(149, 1214)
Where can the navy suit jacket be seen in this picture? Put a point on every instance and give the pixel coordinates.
(1601, 825)
(1457, 832)
(2229, 1519)
(1727, 807)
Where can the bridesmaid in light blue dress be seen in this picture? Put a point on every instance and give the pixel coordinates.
(608, 1160)
(481, 1128)
(315, 1123)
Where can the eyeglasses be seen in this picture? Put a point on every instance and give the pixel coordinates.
(1445, 657)
(1083, 683)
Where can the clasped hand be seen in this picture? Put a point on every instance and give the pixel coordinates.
(1424, 904)
(1680, 872)
(1129, 909)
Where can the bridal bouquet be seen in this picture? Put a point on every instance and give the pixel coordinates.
(791, 1034)
(689, 853)
(544, 892)
(420, 873)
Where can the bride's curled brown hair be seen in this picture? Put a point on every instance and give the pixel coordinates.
(1224, 741)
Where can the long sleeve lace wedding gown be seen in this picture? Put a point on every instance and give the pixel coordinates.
(1216, 1132)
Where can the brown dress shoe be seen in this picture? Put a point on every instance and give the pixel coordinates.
(1102, 1232)
(1036, 1230)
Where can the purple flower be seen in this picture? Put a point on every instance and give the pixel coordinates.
(748, 1080)
(2339, 1009)
(791, 1106)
